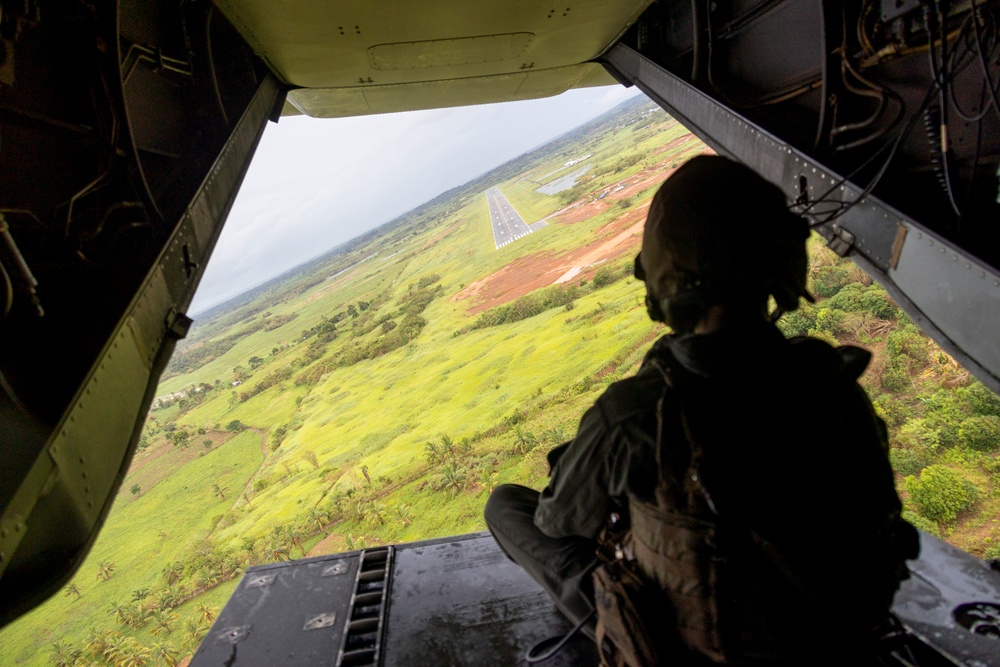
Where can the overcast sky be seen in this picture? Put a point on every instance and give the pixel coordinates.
(314, 184)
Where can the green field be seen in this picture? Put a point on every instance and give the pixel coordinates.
(360, 402)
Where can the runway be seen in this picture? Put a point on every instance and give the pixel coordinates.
(508, 226)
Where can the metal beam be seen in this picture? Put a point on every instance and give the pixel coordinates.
(952, 295)
(61, 504)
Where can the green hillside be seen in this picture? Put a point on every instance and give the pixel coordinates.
(379, 394)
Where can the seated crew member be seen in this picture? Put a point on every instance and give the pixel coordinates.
(768, 443)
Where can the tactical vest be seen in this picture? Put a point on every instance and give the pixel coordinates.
(730, 597)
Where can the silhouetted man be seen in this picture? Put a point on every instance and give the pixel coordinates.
(753, 469)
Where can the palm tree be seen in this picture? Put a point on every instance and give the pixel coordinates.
(377, 509)
(465, 447)
(454, 478)
(293, 536)
(364, 471)
(104, 569)
(488, 478)
(65, 654)
(320, 518)
(207, 614)
(163, 621)
(276, 550)
(99, 641)
(220, 491)
(166, 654)
(119, 611)
(404, 514)
(447, 447)
(167, 600)
(140, 594)
(173, 572)
(72, 590)
(432, 452)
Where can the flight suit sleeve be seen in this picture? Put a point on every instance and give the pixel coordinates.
(576, 501)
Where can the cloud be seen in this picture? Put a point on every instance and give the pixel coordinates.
(314, 184)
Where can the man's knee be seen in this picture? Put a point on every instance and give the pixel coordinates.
(507, 500)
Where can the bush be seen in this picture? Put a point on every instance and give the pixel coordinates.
(896, 376)
(906, 461)
(981, 433)
(830, 279)
(848, 299)
(830, 321)
(922, 523)
(940, 493)
(798, 322)
(876, 301)
(980, 399)
(891, 409)
(907, 341)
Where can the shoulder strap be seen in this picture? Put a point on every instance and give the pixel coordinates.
(675, 377)
(674, 374)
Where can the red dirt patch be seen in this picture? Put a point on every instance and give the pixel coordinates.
(531, 272)
(623, 235)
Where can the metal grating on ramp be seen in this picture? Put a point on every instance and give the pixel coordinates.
(363, 634)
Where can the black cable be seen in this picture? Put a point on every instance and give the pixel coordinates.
(531, 657)
(982, 55)
(843, 207)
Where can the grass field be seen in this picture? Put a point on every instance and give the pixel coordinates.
(373, 406)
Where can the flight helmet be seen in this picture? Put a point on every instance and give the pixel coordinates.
(718, 233)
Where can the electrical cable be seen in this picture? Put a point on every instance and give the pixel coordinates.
(8, 286)
(982, 54)
(840, 208)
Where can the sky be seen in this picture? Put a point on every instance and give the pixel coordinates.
(315, 183)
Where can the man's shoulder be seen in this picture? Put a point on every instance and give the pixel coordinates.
(821, 358)
(631, 396)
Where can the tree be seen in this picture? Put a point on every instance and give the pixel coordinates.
(104, 569)
(207, 444)
(352, 311)
(377, 510)
(206, 613)
(72, 590)
(140, 594)
(235, 425)
(940, 493)
(166, 654)
(171, 573)
(65, 654)
(255, 361)
(454, 478)
(295, 537)
(364, 471)
(163, 621)
(404, 515)
(136, 489)
(310, 456)
(488, 479)
(447, 447)
(320, 518)
(432, 452)
(98, 641)
(220, 491)
(276, 550)
(981, 432)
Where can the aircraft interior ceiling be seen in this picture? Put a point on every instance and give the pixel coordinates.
(126, 129)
